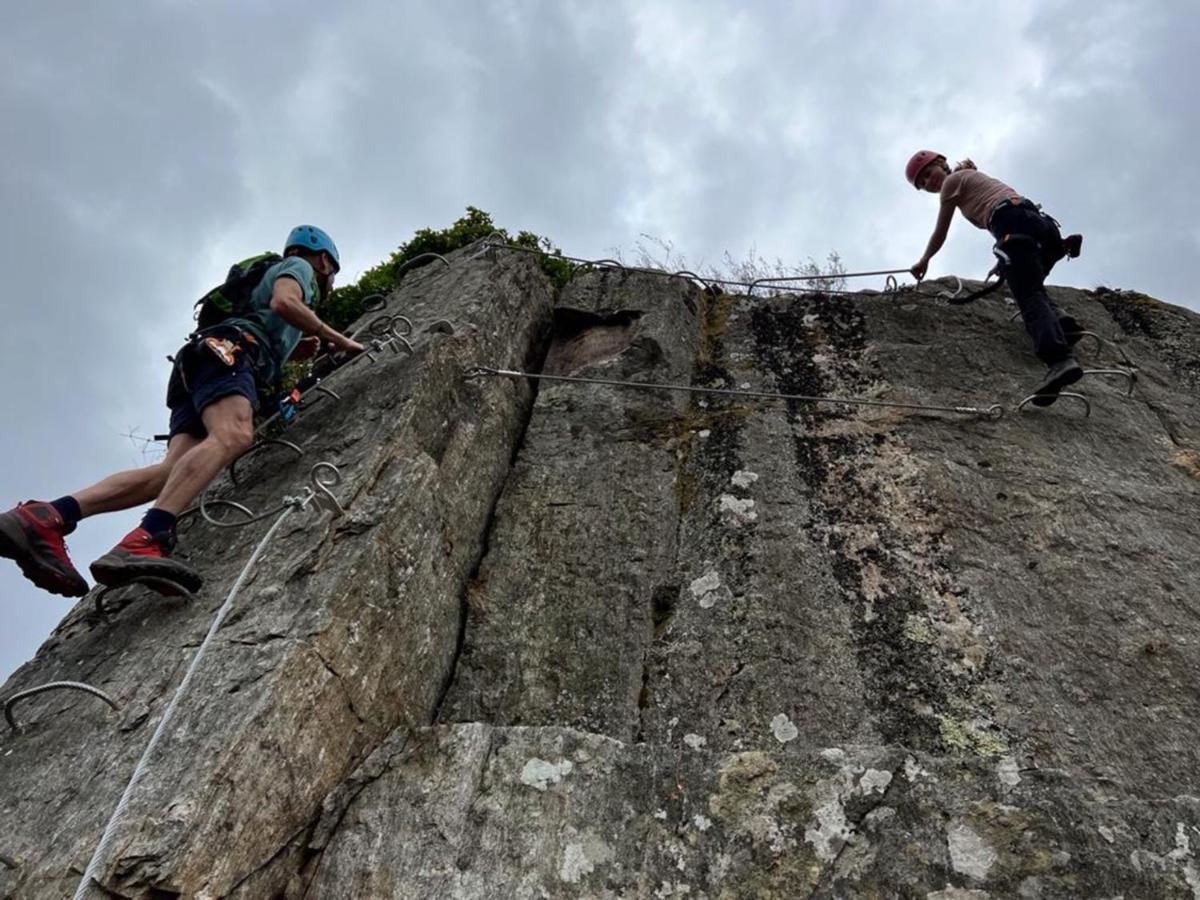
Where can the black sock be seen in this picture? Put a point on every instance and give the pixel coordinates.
(68, 508)
(158, 521)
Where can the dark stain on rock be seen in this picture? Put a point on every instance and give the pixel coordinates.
(901, 675)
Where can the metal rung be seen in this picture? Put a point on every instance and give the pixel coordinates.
(53, 686)
(1064, 395)
(1125, 373)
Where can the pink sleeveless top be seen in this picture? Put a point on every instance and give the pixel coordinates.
(974, 194)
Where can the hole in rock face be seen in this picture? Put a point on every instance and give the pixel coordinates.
(582, 338)
(664, 601)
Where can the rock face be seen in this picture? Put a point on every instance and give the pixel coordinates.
(578, 640)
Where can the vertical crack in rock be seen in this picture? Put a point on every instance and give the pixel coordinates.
(534, 362)
(562, 606)
(327, 822)
(473, 578)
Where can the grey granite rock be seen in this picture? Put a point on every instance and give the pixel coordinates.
(577, 640)
(347, 628)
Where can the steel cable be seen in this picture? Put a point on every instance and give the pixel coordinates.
(995, 411)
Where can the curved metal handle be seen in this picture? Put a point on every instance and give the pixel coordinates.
(1124, 373)
(248, 513)
(321, 487)
(1068, 395)
(416, 259)
(440, 326)
(53, 686)
(685, 273)
(958, 290)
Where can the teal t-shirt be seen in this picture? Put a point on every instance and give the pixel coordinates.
(277, 338)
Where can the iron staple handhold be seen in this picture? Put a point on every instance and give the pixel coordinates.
(323, 487)
(53, 686)
(1130, 375)
(1070, 395)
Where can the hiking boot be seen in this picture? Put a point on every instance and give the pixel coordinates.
(1073, 244)
(141, 553)
(1058, 376)
(32, 534)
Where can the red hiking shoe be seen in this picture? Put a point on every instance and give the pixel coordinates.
(140, 554)
(32, 534)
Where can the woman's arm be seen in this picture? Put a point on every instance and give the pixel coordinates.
(945, 214)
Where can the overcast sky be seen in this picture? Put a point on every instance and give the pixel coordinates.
(147, 145)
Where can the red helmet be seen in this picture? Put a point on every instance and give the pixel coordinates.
(919, 161)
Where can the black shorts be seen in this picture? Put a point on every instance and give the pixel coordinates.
(201, 378)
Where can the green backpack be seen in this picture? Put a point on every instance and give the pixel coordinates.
(232, 299)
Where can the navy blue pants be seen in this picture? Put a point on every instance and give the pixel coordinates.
(200, 378)
(1028, 244)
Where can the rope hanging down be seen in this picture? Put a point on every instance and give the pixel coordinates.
(290, 505)
(995, 411)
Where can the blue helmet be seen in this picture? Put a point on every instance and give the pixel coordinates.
(310, 237)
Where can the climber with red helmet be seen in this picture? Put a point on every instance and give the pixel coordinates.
(1028, 244)
(213, 393)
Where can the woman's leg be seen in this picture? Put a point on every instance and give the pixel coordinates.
(1020, 233)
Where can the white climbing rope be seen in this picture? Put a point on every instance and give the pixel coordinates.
(291, 504)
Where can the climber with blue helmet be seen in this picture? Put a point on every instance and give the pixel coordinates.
(249, 327)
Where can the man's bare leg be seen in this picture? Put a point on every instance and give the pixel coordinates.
(146, 551)
(230, 424)
(33, 536)
(133, 487)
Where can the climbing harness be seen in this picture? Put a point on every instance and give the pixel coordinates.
(52, 686)
(388, 332)
(988, 287)
(995, 411)
(318, 494)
